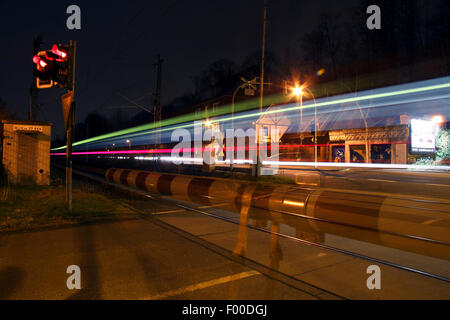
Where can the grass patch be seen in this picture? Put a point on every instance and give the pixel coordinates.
(29, 207)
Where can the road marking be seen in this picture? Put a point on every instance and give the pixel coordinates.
(203, 285)
(381, 180)
(183, 210)
(214, 206)
(169, 211)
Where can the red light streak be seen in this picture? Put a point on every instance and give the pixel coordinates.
(167, 151)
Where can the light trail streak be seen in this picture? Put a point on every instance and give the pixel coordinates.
(132, 132)
(276, 164)
(306, 105)
(354, 165)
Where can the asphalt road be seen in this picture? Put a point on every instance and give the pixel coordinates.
(133, 259)
(177, 252)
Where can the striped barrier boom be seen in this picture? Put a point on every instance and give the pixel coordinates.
(419, 218)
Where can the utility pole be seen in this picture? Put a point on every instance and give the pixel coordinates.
(69, 127)
(157, 114)
(257, 167)
(32, 114)
(261, 93)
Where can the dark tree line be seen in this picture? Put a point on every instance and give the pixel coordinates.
(413, 44)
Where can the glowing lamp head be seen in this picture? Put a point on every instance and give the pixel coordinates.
(297, 91)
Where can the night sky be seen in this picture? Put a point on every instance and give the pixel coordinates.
(119, 41)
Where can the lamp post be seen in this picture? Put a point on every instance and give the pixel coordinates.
(250, 84)
(257, 167)
(315, 127)
(232, 120)
(298, 92)
(129, 143)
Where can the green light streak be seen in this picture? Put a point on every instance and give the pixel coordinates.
(354, 99)
(241, 106)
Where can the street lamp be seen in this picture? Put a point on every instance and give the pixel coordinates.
(315, 128)
(298, 92)
(129, 143)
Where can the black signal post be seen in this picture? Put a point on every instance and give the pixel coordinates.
(56, 68)
(70, 123)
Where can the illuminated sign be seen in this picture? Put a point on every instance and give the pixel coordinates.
(423, 136)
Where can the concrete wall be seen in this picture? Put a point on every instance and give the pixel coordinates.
(26, 151)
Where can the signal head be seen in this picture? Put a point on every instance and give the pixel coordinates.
(61, 54)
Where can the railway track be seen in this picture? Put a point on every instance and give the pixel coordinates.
(213, 213)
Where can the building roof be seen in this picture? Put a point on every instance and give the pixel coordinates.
(28, 122)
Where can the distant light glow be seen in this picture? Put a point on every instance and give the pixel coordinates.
(438, 119)
(320, 72)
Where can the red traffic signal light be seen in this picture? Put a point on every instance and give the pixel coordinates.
(54, 67)
(61, 54)
(40, 62)
(43, 70)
